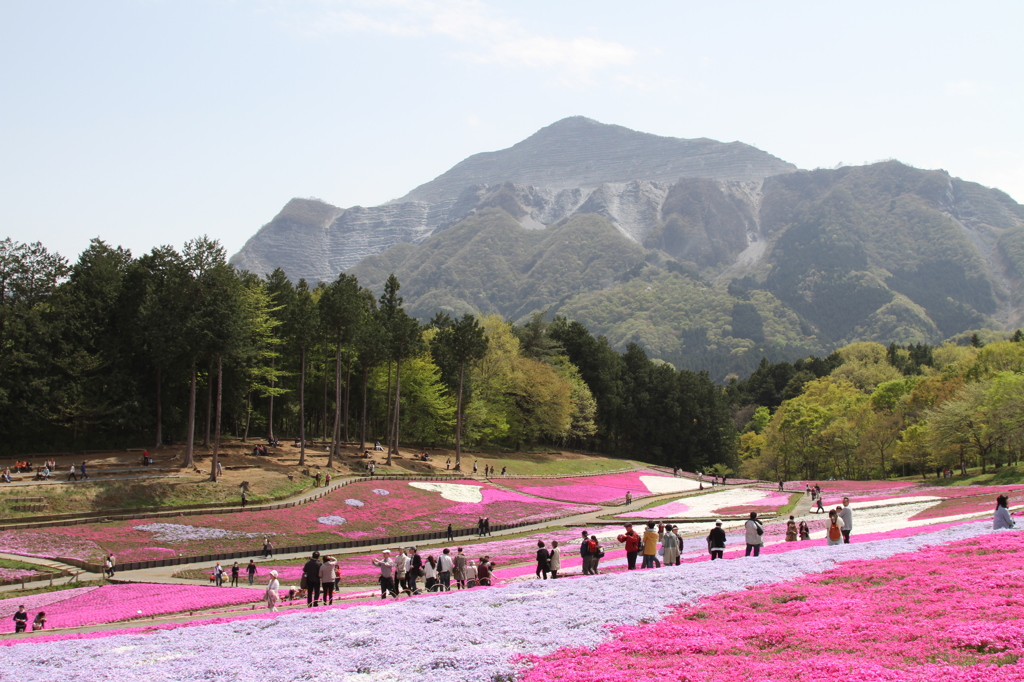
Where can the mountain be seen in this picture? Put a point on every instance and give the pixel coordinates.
(709, 255)
(726, 272)
(574, 165)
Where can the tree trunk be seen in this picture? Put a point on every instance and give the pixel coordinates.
(270, 407)
(191, 439)
(325, 398)
(337, 409)
(159, 413)
(216, 428)
(248, 414)
(398, 393)
(209, 406)
(458, 421)
(302, 407)
(387, 416)
(362, 424)
(348, 380)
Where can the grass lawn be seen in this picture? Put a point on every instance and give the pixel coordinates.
(1005, 475)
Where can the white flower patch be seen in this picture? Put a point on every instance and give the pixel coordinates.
(381, 491)
(660, 485)
(177, 532)
(704, 506)
(456, 492)
(332, 520)
(353, 503)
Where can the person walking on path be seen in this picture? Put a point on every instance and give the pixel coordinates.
(327, 480)
(632, 542)
(820, 507)
(451, 536)
(791, 530)
(251, 570)
(543, 559)
(1002, 518)
(459, 568)
(245, 498)
(311, 576)
(585, 554)
(386, 565)
(415, 569)
(754, 531)
(108, 567)
(271, 594)
(444, 569)
(318, 479)
(846, 514)
(82, 469)
(629, 498)
(218, 575)
(651, 537)
(716, 541)
(234, 574)
(555, 559)
(327, 576)
(71, 474)
(20, 619)
(669, 547)
(487, 525)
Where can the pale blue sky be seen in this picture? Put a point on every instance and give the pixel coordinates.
(148, 122)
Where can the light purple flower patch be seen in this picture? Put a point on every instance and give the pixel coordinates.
(354, 503)
(332, 520)
(381, 491)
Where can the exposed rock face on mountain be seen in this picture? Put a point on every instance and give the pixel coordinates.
(573, 166)
(716, 274)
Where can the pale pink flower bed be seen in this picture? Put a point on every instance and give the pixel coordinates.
(404, 510)
(602, 489)
(968, 505)
(83, 606)
(949, 612)
(851, 488)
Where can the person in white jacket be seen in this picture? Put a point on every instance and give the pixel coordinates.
(753, 531)
(1002, 518)
(328, 571)
(555, 559)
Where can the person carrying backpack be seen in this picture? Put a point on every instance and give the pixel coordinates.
(596, 554)
(585, 554)
(835, 529)
(753, 531)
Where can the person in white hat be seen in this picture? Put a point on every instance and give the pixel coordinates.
(386, 565)
(272, 596)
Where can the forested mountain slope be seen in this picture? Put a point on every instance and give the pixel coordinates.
(726, 272)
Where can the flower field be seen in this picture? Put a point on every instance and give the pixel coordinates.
(403, 509)
(949, 612)
(724, 502)
(81, 606)
(513, 631)
(604, 489)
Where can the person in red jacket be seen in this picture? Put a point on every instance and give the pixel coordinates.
(632, 540)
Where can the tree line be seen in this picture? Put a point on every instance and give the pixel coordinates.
(868, 411)
(116, 350)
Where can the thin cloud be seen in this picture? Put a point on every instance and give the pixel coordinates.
(482, 34)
